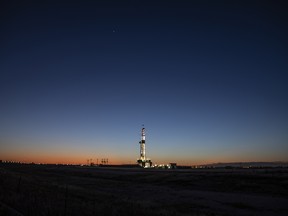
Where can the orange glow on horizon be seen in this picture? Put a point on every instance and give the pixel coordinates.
(57, 154)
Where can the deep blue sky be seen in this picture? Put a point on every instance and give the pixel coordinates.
(207, 78)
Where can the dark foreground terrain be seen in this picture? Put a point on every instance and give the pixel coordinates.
(62, 190)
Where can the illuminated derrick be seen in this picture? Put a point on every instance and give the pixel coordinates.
(142, 145)
(143, 161)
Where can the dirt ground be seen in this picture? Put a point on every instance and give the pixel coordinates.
(62, 190)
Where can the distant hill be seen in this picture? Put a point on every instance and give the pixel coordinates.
(249, 164)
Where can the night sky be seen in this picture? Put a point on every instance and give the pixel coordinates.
(208, 79)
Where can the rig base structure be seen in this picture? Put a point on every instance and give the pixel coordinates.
(144, 163)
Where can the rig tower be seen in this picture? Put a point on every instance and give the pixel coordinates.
(143, 161)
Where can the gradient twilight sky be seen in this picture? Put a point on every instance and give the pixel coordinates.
(207, 78)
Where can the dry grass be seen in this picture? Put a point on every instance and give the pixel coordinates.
(54, 190)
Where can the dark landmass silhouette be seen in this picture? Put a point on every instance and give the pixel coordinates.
(30, 189)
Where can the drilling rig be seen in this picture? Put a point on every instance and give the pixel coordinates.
(143, 161)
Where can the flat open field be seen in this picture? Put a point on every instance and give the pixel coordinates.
(62, 190)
